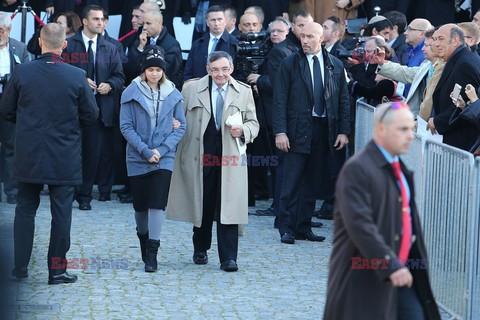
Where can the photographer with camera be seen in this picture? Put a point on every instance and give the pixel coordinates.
(254, 45)
(12, 53)
(366, 82)
(262, 86)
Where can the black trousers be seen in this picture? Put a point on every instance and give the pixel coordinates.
(409, 306)
(227, 234)
(303, 176)
(97, 161)
(24, 225)
(7, 141)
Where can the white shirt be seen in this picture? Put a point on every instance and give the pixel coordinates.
(215, 95)
(211, 42)
(310, 64)
(330, 48)
(390, 44)
(4, 63)
(94, 44)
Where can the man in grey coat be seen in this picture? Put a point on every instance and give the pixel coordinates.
(378, 266)
(416, 76)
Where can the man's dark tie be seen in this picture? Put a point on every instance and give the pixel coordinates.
(318, 99)
(91, 62)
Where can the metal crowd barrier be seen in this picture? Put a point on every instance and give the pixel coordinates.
(474, 276)
(447, 185)
(448, 223)
(363, 124)
(413, 160)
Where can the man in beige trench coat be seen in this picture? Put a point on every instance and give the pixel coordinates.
(209, 181)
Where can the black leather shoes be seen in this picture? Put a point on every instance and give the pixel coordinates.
(267, 212)
(11, 199)
(125, 198)
(124, 190)
(20, 273)
(314, 224)
(325, 212)
(62, 278)
(310, 237)
(200, 257)
(229, 266)
(288, 238)
(84, 205)
(104, 197)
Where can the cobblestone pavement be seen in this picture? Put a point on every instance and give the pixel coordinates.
(274, 281)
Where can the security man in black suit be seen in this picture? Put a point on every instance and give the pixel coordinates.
(48, 146)
(105, 76)
(262, 85)
(311, 124)
(218, 39)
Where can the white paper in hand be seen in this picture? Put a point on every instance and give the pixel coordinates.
(236, 120)
(425, 133)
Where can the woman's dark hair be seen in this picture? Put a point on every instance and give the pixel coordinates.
(73, 20)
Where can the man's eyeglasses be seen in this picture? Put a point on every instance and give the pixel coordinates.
(278, 30)
(217, 70)
(394, 106)
(2, 31)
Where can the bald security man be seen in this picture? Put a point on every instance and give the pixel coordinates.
(155, 33)
(48, 150)
(378, 266)
(311, 124)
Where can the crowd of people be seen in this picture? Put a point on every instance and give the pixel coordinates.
(181, 130)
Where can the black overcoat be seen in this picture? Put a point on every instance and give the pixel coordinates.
(293, 101)
(108, 69)
(49, 100)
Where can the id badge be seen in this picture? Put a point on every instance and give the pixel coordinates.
(400, 89)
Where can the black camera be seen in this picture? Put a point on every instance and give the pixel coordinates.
(5, 79)
(357, 53)
(252, 51)
(353, 49)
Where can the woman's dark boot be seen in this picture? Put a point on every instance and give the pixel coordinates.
(151, 258)
(143, 244)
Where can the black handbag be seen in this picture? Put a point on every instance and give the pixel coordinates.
(353, 26)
